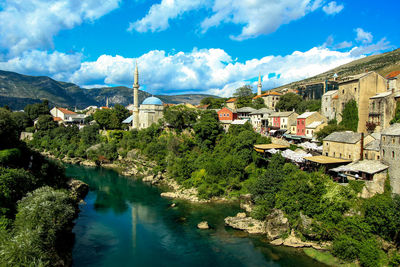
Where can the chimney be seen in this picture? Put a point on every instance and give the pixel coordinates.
(362, 147)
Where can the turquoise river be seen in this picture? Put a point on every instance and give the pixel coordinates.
(125, 222)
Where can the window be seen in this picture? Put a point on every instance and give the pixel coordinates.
(349, 156)
(383, 152)
(355, 89)
(377, 157)
(366, 156)
(384, 139)
(393, 154)
(393, 140)
(340, 155)
(326, 153)
(343, 91)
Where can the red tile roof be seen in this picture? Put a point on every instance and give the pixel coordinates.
(231, 100)
(267, 94)
(66, 111)
(57, 119)
(202, 106)
(105, 108)
(336, 97)
(393, 74)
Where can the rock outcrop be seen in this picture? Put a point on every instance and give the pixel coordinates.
(78, 189)
(276, 224)
(203, 225)
(248, 224)
(375, 186)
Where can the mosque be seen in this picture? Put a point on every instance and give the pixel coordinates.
(149, 112)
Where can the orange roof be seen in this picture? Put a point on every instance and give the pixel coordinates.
(393, 74)
(335, 97)
(231, 100)
(104, 108)
(57, 119)
(168, 105)
(66, 111)
(202, 106)
(267, 94)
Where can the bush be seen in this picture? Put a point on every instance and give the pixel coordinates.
(41, 229)
(9, 156)
(370, 253)
(346, 248)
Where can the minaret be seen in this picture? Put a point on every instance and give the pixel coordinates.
(259, 86)
(107, 102)
(135, 121)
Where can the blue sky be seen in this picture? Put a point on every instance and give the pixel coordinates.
(184, 46)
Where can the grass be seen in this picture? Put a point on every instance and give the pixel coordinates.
(326, 258)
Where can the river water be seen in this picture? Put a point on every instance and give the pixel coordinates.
(125, 222)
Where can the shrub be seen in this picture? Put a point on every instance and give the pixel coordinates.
(345, 248)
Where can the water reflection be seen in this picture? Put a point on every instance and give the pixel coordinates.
(126, 223)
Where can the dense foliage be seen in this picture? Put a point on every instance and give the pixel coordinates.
(111, 118)
(292, 101)
(350, 116)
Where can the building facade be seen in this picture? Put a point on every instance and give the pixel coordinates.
(282, 120)
(305, 120)
(360, 88)
(270, 99)
(390, 154)
(328, 104)
(346, 145)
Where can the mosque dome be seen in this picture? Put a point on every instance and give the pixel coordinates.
(152, 101)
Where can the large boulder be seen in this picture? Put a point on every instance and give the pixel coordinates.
(203, 225)
(276, 224)
(248, 224)
(78, 188)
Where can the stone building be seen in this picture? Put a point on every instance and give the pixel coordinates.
(315, 90)
(359, 88)
(226, 116)
(231, 103)
(259, 118)
(390, 152)
(372, 149)
(244, 113)
(314, 127)
(345, 145)
(393, 80)
(306, 119)
(382, 109)
(282, 120)
(270, 99)
(149, 112)
(328, 104)
(63, 115)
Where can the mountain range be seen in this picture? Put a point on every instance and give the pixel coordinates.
(18, 90)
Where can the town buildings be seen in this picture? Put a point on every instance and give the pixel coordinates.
(244, 112)
(231, 103)
(345, 145)
(315, 90)
(226, 116)
(63, 115)
(390, 154)
(328, 104)
(259, 118)
(360, 88)
(270, 99)
(312, 120)
(282, 120)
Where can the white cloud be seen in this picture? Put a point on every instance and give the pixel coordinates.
(159, 14)
(57, 65)
(363, 36)
(31, 24)
(257, 16)
(344, 44)
(332, 8)
(369, 49)
(206, 70)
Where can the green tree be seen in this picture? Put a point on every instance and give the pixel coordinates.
(103, 118)
(350, 116)
(328, 129)
(244, 96)
(396, 118)
(207, 129)
(289, 102)
(45, 122)
(310, 105)
(213, 102)
(180, 116)
(21, 120)
(8, 130)
(258, 103)
(90, 134)
(37, 109)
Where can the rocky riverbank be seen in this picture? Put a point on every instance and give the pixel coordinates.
(276, 227)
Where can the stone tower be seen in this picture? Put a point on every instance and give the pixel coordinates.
(259, 86)
(135, 121)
